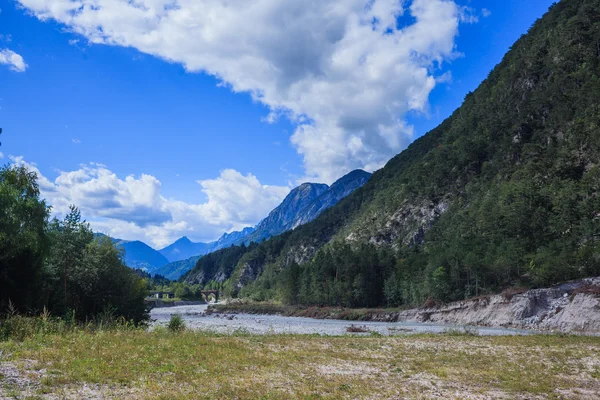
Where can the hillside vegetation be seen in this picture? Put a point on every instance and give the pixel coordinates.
(502, 193)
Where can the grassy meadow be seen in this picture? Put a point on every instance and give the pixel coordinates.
(162, 364)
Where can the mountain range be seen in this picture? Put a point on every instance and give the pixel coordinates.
(503, 193)
(303, 204)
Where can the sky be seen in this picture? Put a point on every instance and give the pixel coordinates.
(165, 118)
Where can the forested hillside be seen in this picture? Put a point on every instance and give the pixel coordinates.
(504, 192)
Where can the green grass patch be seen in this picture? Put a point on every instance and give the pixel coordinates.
(192, 364)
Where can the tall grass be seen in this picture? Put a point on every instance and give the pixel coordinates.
(14, 326)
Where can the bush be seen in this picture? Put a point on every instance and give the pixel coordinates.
(176, 323)
(509, 293)
(357, 329)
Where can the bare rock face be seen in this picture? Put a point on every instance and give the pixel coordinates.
(250, 270)
(305, 203)
(573, 307)
(406, 226)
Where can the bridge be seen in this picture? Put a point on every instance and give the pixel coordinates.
(210, 295)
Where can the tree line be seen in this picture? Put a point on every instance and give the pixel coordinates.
(59, 265)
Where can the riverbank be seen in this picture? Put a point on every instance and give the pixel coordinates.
(573, 307)
(344, 314)
(196, 317)
(175, 303)
(199, 365)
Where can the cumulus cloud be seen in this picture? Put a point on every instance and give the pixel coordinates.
(134, 208)
(344, 72)
(14, 61)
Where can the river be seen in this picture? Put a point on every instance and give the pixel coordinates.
(195, 318)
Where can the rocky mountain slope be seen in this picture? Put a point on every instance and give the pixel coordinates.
(284, 216)
(235, 237)
(302, 205)
(503, 192)
(338, 190)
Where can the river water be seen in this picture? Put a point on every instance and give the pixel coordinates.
(195, 317)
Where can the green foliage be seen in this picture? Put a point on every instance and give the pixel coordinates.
(176, 323)
(88, 275)
(23, 239)
(222, 261)
(58, 266)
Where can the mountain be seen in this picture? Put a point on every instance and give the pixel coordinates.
(174, 270)
(140, 255)
(504, 192)
(301, 205)
(284, 216)
(338, 190)
(184, 248)
(228, 239)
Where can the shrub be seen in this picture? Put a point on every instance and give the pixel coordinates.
(509, 293)
(176, 323)
(357, 329)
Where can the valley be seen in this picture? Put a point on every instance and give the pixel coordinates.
(302, 205)
(372, 259)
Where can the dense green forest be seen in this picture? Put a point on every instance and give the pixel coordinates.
(502, 193)
(57, 265)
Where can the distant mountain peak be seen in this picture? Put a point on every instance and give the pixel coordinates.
(184, 248)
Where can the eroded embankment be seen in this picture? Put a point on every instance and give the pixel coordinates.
(571, 307)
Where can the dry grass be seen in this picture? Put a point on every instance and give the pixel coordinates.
(196, 365)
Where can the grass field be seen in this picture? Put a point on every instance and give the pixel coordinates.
(196, 365)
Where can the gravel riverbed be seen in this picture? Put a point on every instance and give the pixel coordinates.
(196, 318)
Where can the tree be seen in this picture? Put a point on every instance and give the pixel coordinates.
(23, 239)
(87, 275)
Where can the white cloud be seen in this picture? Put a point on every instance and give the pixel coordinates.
(134, 208)
(468, 15)
(76, 141)
(14, 61)
(1, 155)
(485, 12)
(342, 71)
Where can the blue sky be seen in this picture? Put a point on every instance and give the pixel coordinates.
(214, 113)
